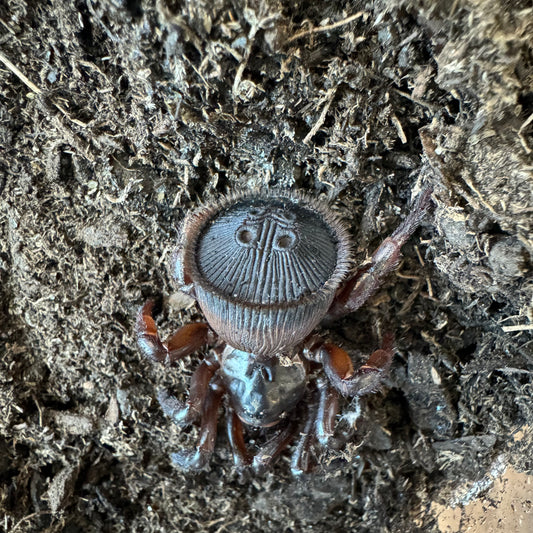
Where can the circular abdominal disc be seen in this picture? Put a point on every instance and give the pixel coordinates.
(266, 251)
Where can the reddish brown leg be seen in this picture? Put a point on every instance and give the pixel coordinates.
(185, 341)
(189, 412)
(339, 369)
(319, 427)
(241, 457)
(302, 461)
(196, 460)
(384, 260)
(273, 447)
(328, 407)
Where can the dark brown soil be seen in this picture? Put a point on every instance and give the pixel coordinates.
(117, 117)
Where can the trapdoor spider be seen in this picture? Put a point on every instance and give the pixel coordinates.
(266, 270)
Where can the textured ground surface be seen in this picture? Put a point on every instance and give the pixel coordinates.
(117, 117)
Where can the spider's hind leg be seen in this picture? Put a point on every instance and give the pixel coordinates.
(185, 341)
(367, 378)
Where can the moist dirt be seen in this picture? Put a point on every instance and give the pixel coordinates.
(118, 117)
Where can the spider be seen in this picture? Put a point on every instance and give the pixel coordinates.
(266, 269)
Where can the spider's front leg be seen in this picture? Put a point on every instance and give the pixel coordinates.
(267, 453)
(241, 456)
(319, 427)
(384, 260)
(197, 459)
(185, 341)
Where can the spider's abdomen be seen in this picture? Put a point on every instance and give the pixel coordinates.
(265, 270)
(266, 253)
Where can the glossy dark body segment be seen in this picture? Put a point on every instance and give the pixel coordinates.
(262, 393)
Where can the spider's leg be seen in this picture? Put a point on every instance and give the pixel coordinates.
(328, 407)
(367, 378)
(319, 427)
(185, 341)
(384, 260)
(273, 447)
(189, 412)
(302, 461)
(199, 458)
(241, 457)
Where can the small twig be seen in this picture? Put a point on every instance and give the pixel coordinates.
(198, 73)
(418, 101)
(410, 299)
(7, 26)
(419, 255)
(109, 33)
(400, 275)
(479, 195)
(521, 327)
(399, 129)
(75, 139)
(24, 79)
(28, 517)
(19, 74)
(507, 370)
(262, 24)
(66, 115)
(318, 124)
(522, 137)
(454, 7)
(121, 198)
(328, 27)
(430, 287)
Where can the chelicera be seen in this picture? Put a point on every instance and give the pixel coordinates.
(266, 270)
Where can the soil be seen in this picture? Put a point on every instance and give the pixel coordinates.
(118, 117)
